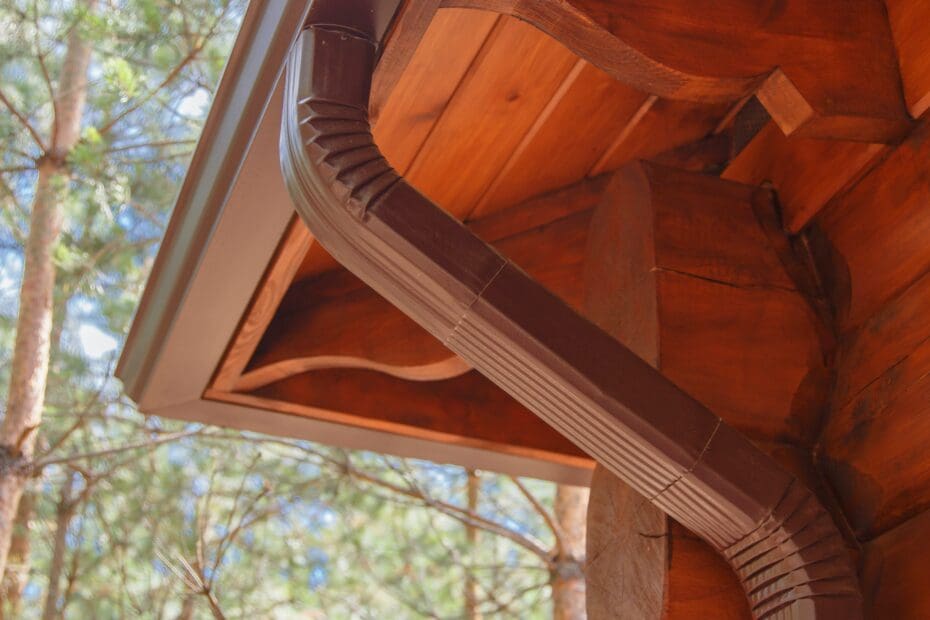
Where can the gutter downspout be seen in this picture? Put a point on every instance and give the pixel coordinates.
(782, 543)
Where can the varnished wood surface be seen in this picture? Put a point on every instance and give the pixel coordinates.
(872, 242)
(879, 251)
(838, 80)
(908, 20)
(894, 572)
(859, 203)
(734, 330)
(275, 284)
(680, 269)
(805, 172)
(466, 422)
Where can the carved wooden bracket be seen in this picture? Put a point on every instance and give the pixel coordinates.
(821, 68)
(781, 542)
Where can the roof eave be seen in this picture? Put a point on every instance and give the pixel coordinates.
(248, 83)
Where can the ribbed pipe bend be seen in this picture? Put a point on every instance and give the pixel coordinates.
(782, 543)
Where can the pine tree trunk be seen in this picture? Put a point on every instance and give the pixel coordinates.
(29, 369)
(568, 589)
(471, 535)
(17, 573)
(64, 514)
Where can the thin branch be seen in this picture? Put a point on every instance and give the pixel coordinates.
(23, 121)
(545, 514)
(13, 169)
(38, 465)
(40, 57)
(457, 513)
(170, 77)
(143, 145)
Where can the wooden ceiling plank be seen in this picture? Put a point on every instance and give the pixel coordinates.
(819, 74)
(407, 31)
(567, 140)
(560, 93)
(512, 80)
(271, 290)
(659, 126)
(601, 165)
(444, 56)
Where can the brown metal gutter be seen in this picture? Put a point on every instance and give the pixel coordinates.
(783, 545)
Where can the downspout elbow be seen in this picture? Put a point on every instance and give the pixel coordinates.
(782, 543)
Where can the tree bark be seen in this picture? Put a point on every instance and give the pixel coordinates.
(17, 573)
(471, 536)
(29, 368)
(63, 516)
(568, 586)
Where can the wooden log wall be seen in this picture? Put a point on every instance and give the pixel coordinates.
(874, 243)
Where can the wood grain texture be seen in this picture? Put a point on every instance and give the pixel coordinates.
(568, 141)
(875, 235)
(407, 30)
(834, 67)
(872, 241)
(733, 331)
(465, 411)
(510, 83)
(699, 583)
(874, 445)
(442, 59)
(660, 125)
(468, 407)
(272, 289)
(627, 552)
(894, 572)
(807, 173)
(909, 19)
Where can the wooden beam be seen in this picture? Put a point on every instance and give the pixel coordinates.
(874, 444)
(838, 80)
(685, 270)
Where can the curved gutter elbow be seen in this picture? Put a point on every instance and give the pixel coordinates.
(782, 543)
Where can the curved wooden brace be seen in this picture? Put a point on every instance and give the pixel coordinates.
(820, 68)
(781, 542)
(448, 368)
